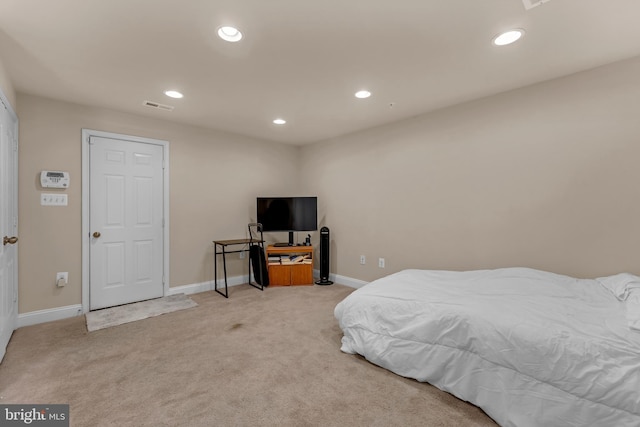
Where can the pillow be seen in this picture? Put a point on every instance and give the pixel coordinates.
(620, 285)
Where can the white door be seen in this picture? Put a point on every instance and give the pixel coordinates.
(125, 221)
(8, 224)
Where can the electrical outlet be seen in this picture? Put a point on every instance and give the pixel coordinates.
(62, 278)
(363, 260)
(381, 262)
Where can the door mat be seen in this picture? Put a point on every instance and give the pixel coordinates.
(119, 315)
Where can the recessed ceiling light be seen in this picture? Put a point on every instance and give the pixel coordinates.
(363, 94)
(230, 34)
(508, 37)
(279, 121)
(173, 94)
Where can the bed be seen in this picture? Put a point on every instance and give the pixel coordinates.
(529, 347)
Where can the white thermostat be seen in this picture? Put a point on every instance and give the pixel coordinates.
(54, 179)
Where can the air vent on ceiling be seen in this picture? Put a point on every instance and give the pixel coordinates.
(530, 4)
(158, 105)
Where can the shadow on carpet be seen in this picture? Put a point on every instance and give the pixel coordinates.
(121, 314)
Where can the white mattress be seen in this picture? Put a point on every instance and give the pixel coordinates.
(530, 348)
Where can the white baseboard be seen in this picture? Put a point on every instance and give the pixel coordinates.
(48, 315)
(191, 289)
(348, 281)
(343, 280)
(52, 314)
(207, 286)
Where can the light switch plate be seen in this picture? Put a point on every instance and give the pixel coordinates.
(48, 199)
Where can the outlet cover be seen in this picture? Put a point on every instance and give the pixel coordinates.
(62, 278)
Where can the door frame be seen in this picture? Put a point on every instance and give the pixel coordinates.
(86, 237)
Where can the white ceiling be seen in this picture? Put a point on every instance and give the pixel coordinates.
(301, 60)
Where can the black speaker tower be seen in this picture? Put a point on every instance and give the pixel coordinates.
(324, 257)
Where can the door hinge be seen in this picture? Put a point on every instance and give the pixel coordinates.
(162, 222)
(15, 145)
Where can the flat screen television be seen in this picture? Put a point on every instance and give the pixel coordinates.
(288, 214)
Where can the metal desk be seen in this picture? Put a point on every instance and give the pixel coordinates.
(223, 244)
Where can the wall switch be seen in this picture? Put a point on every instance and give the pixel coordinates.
(363, 260)
(48, 199)
(242, 255)
(381, 262)
(62, 278)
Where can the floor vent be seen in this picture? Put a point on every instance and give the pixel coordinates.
(158, 105)
(530, 4)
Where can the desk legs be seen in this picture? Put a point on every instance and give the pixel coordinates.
(224, 265)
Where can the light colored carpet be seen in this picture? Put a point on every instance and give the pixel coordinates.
(267, 358)
(122, 314)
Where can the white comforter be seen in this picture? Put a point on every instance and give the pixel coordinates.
(531, 348)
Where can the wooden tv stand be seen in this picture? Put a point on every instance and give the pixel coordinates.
(283, 271)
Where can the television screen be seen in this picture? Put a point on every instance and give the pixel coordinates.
(288, 213)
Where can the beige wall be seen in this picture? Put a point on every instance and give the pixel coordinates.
(545, 177)
(214, 179)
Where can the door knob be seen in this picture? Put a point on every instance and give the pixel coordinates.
(10, 240)
(96, 234)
